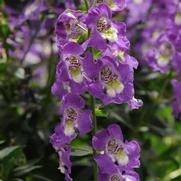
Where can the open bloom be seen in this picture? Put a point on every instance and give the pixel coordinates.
(112, 83)
(161, 57)
(69, 27)
(113, 150)
(69, 73)
(74, 120)
(71, 56)
(103, 30)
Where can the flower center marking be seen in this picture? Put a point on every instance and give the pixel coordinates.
(74, 68)
(102, 25)
(117, 151)
(70, 121)
(111, 81)
(116, 178)
(165, 53)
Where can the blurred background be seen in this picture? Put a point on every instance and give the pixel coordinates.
(28, 110)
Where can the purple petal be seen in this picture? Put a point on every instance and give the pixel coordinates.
(133, 153)
(105, 164)
(100, 139)
(72, 48)
(85, 122)
(115, 131)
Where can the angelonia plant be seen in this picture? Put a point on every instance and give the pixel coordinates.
(160, 44)
(94, 65)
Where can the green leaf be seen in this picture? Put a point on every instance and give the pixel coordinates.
(173, 175)
(81, 150)
(1, 2)
(96, 54)
(100, 113)
(39, 177)
(23, 170)
(165, 114)
(2, 141)
(10, 152)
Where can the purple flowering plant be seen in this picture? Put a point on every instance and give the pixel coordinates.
(69, 83)
(94, 68)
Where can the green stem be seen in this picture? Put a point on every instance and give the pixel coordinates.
(93, 133)
(86, 5)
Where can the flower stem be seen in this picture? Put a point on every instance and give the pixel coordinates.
(86, 5)
(93, 133)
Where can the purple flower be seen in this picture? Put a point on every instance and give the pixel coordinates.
(33, 10)
(114, 151)
(161, 57)
(121, 54)
(64, 161)
(118, 175)
(103, 30)
(112, 83)
(161, 37)
(138, 10)
(74, 120)
(71, 56)
(70, 76)
(69, 27)
(135, 103)
(114, 5)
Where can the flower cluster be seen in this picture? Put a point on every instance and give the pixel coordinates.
(116, 159)
(161, 36)
(94, 59)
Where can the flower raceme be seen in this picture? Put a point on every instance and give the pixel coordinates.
(161, 38)
(94, 59)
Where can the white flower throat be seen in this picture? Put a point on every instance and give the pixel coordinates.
(111, 82)
(74, 68)
(70, 121)
(106, 30)
(117, 152)
(165, 54)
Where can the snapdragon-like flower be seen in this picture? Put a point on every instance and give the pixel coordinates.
(75, 120)
(112, 83)
(103, 30)
(70, 76)
(69, 27)
(112, 149)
